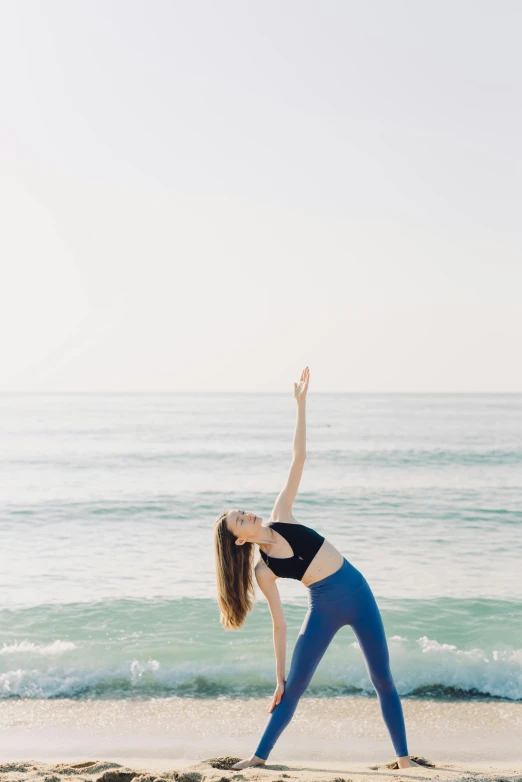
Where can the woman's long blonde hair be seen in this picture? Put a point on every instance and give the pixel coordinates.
(234, 575)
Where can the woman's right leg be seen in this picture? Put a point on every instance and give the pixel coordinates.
(318, 629)
(368, 627)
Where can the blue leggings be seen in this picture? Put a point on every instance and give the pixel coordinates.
(343, 598)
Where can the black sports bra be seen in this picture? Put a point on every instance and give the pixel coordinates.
(305, 543)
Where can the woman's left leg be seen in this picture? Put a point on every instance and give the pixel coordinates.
(368, 627)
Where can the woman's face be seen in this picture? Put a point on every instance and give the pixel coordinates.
(243, 524)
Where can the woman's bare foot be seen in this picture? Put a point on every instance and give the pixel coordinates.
(406, 762)
(253, 760)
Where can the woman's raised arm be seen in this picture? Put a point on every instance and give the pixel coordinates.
(300, 389)
(286, 497)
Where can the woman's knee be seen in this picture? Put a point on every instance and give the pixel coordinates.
(294, 688)
(382, 681)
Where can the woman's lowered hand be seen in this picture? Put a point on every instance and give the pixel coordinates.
(278, 694)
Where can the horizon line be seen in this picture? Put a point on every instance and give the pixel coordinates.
(210, 393)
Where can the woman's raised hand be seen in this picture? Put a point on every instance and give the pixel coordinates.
(278, 694)
(301, 388)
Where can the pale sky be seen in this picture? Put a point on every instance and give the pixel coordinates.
(209, 195)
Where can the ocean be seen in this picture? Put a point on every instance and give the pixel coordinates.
(107, 578)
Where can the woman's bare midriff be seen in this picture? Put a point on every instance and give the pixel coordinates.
(328, 559)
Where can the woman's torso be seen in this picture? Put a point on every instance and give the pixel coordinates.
(327, 560)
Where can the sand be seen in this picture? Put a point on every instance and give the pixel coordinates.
(206, 770)
(329, 738)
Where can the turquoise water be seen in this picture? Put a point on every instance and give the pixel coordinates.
(107, 578)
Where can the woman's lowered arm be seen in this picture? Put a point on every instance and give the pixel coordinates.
(267, 583)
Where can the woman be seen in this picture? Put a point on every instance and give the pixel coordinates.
(338, 595)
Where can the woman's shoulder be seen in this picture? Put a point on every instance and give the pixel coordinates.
(285, 519)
